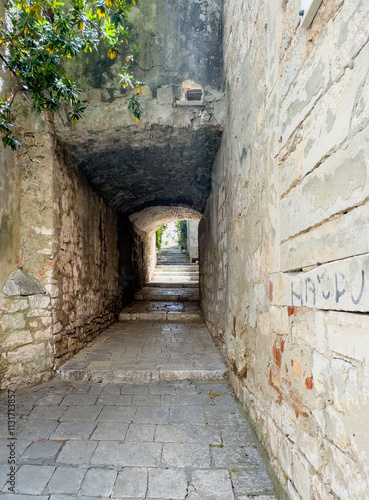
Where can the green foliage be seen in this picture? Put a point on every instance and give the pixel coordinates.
(37, 35)
(6, 126)
(159, 236)
(181, 226)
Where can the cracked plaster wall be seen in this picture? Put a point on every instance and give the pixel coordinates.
(179, 40)
(284, 240)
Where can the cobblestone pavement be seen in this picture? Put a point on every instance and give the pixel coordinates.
(185, 440)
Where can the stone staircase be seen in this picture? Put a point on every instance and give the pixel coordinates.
(172, 295)
(176, 273)
(172, 257)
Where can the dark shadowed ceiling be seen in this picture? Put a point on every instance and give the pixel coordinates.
(133, 169)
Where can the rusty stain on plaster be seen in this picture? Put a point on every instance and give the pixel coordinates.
(309, 383)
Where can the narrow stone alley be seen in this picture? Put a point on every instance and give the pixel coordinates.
(135, 375)
(143, 411)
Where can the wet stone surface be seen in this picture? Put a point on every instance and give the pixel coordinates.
(144, 441)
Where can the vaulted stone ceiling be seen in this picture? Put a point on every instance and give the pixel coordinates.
(135, 168)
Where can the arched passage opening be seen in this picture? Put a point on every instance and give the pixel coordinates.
(145, 224)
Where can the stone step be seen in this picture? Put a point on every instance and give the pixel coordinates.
(173, 263)
(139, 352)
(173, 284)
(150, 310)
(175, 278)
(174, 259)
(190, 267)
(116, 375)
(166, 294)
(176, 273)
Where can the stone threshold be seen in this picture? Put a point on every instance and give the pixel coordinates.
(140, 376)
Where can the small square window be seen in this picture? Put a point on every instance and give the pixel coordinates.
(194, 95)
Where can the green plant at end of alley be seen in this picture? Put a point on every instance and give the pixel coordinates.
(37, 35)
(181, 226)
(159, 236)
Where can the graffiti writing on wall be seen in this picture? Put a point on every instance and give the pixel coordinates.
(330, 289)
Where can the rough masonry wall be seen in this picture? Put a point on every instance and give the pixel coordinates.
(68, 242)
(86, 262)
(26, 320)
(284, 240)
(9, 201)
(9, 214)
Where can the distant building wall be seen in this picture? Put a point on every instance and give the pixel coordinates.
(193, 239)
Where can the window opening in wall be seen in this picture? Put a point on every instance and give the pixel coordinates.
(194, 95)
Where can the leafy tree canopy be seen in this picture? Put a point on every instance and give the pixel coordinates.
(35, 37)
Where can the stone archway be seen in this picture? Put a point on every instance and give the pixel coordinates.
(148, 221)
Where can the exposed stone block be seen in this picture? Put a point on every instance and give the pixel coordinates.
(348, 481)
(302, 475)
(26, 353)
(342, 285)
(335, 429)
(345, 172)
(37, 302)
(348, 335)
(11, 306)
(10, 322)
(328, 242)
(17, 339)
(321, 372)
(40, 313)
(344, 385)
(20, 283)
(308, 87)
(45, 334)
(319, 490)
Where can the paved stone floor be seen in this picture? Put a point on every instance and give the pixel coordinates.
(185, 440)
(174, 432)
(148, 351)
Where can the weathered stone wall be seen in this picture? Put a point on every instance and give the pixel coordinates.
(9, 214)
(193, 239)
(9, 200)
(284, 240)
(26, 319)
(179, 40)
(69, 245)
(85, 268)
